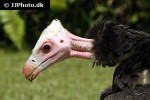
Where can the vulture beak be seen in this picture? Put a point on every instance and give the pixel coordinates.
(30, 71)
(55, 44)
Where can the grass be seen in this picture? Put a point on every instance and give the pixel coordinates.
(72, 79)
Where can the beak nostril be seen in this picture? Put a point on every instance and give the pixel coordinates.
(33, 60)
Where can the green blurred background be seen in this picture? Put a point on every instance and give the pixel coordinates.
(73, 79)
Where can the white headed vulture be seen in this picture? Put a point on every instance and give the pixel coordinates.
(110, 44)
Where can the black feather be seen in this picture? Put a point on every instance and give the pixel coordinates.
(135, 63)
(118, 44)
(113, 41)
(126, 94)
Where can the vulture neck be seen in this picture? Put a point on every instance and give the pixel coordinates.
(81, 47)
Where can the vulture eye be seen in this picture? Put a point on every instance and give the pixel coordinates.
(46, 48)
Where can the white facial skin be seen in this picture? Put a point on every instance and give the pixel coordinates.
(55, 44)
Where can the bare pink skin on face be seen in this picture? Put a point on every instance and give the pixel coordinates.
(81, 47)
(54, 45)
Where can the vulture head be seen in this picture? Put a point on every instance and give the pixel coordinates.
(54, 45)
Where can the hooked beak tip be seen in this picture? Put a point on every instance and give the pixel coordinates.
(30, 71)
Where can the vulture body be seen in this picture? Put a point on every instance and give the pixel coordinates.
(127, 94)
(110, 44)
(130, 49)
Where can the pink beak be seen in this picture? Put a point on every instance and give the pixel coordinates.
(30, 71)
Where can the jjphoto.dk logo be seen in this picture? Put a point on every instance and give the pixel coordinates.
(25, 5)
(22, 5)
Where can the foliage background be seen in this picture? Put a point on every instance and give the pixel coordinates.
(73, 79)
(22, 28)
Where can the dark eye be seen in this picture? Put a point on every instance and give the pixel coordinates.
(46, 48)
